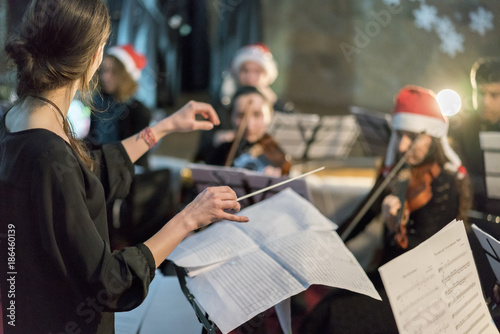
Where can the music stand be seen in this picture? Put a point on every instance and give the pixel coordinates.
(242, 181)
(375, 130)
(310, 137)
(490, 144)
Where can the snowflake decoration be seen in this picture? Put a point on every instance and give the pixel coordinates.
(452, 44)
(444, 27)
(392, 2)
(451, 41)
(481, 21)
(425, 17)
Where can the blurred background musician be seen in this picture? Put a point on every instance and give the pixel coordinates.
(465, 129)
(251, 114)
(252, 65)
(118, 114)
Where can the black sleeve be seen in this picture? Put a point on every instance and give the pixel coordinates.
(71, 239)
(115, 170)
(218, 156)
(136, 118)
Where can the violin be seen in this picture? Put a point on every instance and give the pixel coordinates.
(265, 152)
(415, 194)
(414, 190)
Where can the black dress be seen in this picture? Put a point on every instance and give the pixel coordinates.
(113, 121)
(62, 275)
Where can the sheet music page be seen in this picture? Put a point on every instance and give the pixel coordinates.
(219, 242)
(435, 288)
(490, 144)
(285, 213)
(489, 140)
(492, 248)
(321, 258)
(242, 288)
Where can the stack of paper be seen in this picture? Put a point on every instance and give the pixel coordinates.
(241, 270)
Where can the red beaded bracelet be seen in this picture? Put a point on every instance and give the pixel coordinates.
(148, 136)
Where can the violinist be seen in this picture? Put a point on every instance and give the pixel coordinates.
(437, 189)
(252, 65)
(427, 193)
(253, 149)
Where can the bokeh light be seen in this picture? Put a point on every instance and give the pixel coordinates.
(449, 101)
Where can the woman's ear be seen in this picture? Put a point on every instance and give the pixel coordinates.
(97, 60)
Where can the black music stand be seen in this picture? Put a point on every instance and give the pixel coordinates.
(375, 130)
(311, 137)
(208, 326)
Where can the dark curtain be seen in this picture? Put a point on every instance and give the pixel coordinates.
(238, 23)
(195, 48)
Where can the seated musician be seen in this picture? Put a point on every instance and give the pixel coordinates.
(251, 147)
(466, 127)
(252, 65)
(437, 192)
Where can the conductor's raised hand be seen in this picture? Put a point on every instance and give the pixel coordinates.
(184, 120)
(211, 205)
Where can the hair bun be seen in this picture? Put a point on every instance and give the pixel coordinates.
(19, 53)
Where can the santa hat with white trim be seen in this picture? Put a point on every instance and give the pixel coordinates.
(260, 54)
(417, 110)
(133, 61)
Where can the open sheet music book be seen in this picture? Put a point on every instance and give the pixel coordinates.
(241, 270)
(435, 287)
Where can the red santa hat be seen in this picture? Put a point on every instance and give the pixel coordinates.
(417, 110)
(133, 61)
(260, 54)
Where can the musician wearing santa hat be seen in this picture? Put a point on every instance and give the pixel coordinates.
(438, 189)
(429, 187)
(117, 114)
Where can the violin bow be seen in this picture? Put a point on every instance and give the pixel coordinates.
(239, 136)
(399, 165)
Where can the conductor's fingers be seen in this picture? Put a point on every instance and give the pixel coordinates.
(234, 218)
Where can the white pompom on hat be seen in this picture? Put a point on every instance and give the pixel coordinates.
(133, 61)
(417, 110)
(260, 54)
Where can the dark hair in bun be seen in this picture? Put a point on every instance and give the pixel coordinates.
(55, 45)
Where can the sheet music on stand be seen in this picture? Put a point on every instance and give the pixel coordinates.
(435, 287)
(236, 271)
(375, 130)
(490, 144)
(242, 181)
(310, 136)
